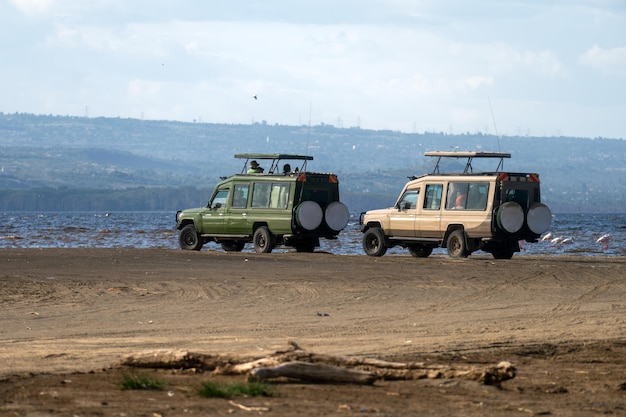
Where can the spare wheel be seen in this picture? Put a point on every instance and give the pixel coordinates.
(539, 218)
(337, 215)
(309, 215)
(510, 217)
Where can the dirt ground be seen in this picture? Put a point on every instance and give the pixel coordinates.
(68, 317)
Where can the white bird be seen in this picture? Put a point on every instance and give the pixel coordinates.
(557, 240)
(547, 237)
(567, 240)
(604, 239)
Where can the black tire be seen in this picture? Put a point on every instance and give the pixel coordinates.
(189, 239)
(420, 251)
(503, 254)
(233, 245)
(457, 248)
(263, 240)
(306, 247)
(374, 242)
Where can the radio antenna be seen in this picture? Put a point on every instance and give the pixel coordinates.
(308, 132)
(494, 123)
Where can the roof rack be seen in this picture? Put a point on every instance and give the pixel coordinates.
(470, 156)
(275, 158)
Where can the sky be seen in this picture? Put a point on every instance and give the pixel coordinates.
(505, 67)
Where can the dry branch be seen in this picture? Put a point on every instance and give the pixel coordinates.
(296, 363)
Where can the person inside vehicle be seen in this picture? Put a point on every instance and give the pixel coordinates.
(459, 203)
(255, 168)
(286, 169)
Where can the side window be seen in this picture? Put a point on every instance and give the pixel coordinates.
(467, 196)
(456, 198)
(240, 196)
(409, 200)
(432, 200)
(477, 196)
(261, 195)
(279, 196)
(219, 200)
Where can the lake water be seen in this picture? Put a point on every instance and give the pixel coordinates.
(156, 230)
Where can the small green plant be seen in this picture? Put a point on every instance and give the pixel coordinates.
(251, 389)
(141, 382)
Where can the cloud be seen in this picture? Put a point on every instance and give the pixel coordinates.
(33, 7)
(607, 61)
(400, 64)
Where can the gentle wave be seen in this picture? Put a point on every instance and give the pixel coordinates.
(156, 230)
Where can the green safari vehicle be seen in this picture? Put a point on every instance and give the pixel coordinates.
(278, 207)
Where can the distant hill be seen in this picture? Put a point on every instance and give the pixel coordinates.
(125, 163)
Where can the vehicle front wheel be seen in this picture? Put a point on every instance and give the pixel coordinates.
(420, 251)
(262, 239)
(457, 248)
(233, 246)
(374, 242)
(189, 238)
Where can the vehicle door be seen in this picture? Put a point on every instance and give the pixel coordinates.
(270, 204)
(402, 221)
(213, 219)
(428, 217)
(237, 218)
(466, 205)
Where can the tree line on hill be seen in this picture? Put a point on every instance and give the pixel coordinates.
(107, 164)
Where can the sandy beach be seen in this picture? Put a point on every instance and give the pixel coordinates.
(74, 314)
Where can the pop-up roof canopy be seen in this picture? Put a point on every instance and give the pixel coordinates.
(470, 156)
(275, 158)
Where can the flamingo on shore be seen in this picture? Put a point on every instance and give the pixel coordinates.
(557, 240)
(547, 237)
(604, 240)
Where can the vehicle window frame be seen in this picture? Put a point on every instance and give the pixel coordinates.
(474, 199)
(264, 195)
(242, 202)
(222, 200)
(433, 202)
(412, 204)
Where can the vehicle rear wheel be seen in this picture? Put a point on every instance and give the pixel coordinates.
(420, 251)
(305, 247)
(505, 251)
(457, 248)
(503, 254)
(189, 238)
(233, 246)
(263, 240)
(374, 242)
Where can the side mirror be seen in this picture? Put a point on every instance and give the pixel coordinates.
(217, 205)
(404, 205)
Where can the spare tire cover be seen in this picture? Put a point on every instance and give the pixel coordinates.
(337, 215)
(510, 217)
(539, 218)
(309, 215)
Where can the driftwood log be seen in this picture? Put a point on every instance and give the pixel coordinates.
(296, 363)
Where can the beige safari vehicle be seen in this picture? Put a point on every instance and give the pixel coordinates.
(463, 212)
